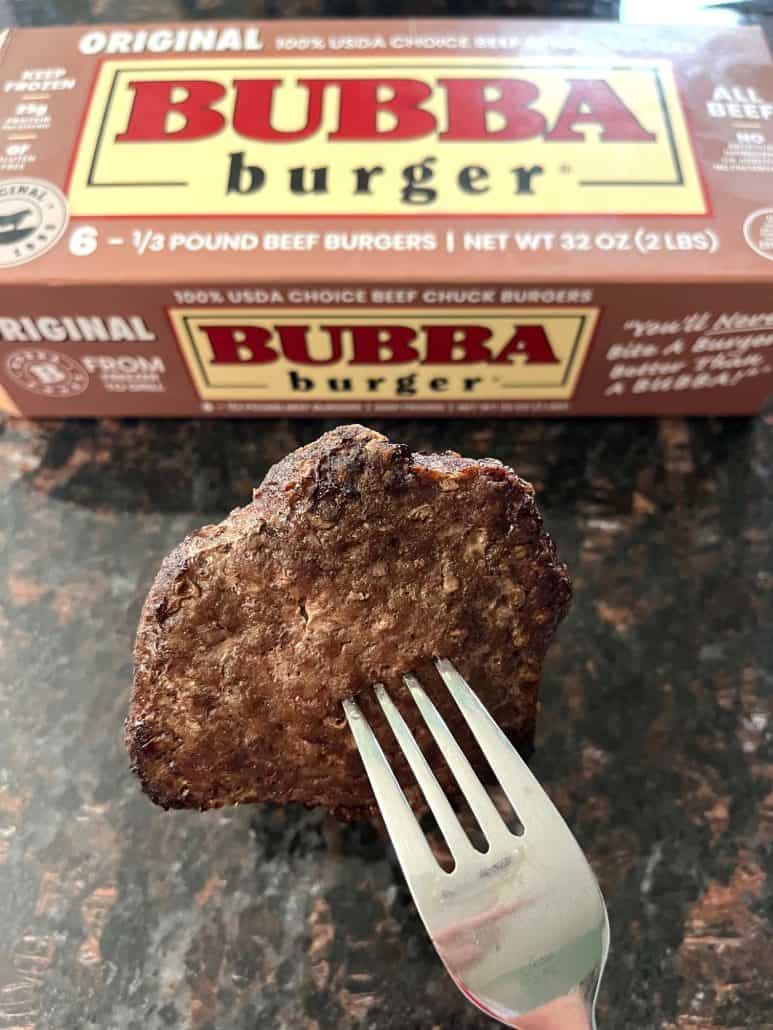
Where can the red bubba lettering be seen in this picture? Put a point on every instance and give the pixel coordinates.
(360, 103)
(468, 108)
(530, 341)
(445, 341)
(378, 345)
(360, 107)
(153, 103)
(294, 342)
(238, 344)
(593, 101)
(370, 341)
(252, 113)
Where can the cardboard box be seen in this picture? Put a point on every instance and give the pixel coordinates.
(354, 218)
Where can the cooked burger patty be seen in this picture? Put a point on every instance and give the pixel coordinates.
(356, 562)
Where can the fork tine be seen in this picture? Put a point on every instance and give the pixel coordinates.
(455, 837)
(410, 844)
(530, 802)
(483, 808)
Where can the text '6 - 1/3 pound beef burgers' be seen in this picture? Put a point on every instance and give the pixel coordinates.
(356, 562)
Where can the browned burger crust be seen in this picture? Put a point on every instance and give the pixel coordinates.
(356, 562)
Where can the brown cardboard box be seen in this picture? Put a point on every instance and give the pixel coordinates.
(438, 217)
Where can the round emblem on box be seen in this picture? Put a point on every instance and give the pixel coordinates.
(46, 373)
(758, 232)
(33, 216)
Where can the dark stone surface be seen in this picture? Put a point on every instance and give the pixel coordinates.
(49, 12)
(654, 741)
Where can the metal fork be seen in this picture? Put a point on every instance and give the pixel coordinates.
(521, 929)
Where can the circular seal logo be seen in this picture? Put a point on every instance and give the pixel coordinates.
(33, 216)
(758, 232)
(46, 373)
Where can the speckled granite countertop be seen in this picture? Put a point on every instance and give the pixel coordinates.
(655, 736)
(654, 741)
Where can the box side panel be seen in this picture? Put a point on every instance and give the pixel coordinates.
(703, 349)
(91, 351)
(443, 350)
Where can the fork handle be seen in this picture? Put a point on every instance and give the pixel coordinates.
(568, 1013)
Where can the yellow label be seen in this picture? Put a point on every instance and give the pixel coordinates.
(518, 353)
(387, 136)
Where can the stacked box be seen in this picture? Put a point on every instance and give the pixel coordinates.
(385, 218)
